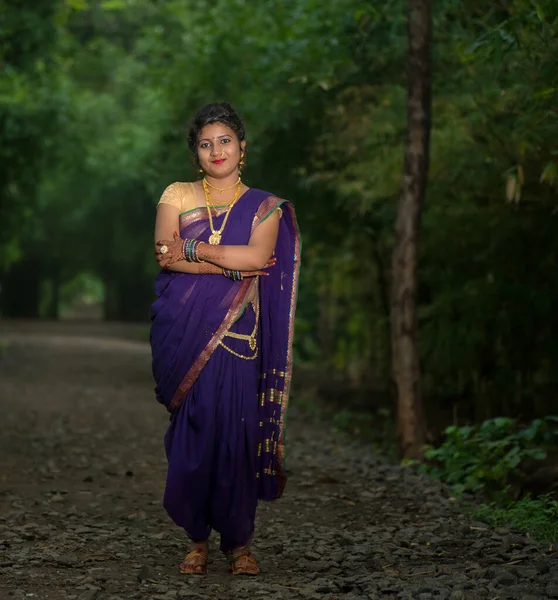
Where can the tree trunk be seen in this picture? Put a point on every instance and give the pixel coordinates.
(20, 290)
(110, 300)
(404, 330)
(382, 283)
(53, 309)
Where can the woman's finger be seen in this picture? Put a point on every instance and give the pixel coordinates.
(254, 273)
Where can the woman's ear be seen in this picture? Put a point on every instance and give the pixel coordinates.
(243, 145)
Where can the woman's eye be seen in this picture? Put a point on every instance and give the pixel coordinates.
(225, 141)
(204, 145)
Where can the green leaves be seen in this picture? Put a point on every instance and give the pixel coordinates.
(95, 105)
(484, 458)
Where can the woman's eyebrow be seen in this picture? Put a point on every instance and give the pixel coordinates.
(214, 138)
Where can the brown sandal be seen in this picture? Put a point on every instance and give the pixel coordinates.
(195, 562)
(243, 564)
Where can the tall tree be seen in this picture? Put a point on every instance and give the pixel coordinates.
(404, 328)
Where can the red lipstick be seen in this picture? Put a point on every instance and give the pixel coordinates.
(220, 161)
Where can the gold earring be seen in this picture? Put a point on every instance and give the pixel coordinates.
(242, 162)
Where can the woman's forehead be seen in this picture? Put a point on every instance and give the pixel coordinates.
(214, 131)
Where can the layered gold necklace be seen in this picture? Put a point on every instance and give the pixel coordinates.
(216, 234)
(220, 190)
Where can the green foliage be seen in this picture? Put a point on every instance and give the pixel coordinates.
(538, 517)
(376, 429)
(94, 103)
(483, 458)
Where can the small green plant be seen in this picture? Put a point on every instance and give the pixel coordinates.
(483, 458)
(365, 425)
(354, 423)
(538, 517)
(307, 404)
(375, 429)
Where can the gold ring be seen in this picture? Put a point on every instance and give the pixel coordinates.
(164, 249)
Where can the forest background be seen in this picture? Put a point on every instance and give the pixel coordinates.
(95, 97)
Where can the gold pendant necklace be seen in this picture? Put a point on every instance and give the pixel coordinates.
(221, 190)
(216, 234)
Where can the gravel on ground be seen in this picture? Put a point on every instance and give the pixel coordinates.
(82, 471)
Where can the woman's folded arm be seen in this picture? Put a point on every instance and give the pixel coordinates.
(166, 224)
(251, 257)
(245, 258)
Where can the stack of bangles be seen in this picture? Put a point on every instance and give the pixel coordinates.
(234, 275)
(190, 251)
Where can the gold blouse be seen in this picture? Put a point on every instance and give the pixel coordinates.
(180, 194)
(183, 195)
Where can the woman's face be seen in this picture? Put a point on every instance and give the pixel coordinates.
(219, 150)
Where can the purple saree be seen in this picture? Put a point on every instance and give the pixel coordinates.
(225, 443)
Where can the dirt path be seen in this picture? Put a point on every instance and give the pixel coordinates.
(81, 475)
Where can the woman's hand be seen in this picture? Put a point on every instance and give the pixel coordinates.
(175, 253)
(170, 251)
(270, 263)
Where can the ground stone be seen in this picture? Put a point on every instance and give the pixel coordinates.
(83, 467)
(89, 595)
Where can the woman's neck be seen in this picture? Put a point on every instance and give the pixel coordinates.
(225, 182)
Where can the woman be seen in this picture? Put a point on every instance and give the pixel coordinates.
(221, 341)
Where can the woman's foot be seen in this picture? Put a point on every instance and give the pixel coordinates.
(243, 564)
(195, 562)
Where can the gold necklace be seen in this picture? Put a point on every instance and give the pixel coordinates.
(215, 237)
(221, 190)
(209, 197)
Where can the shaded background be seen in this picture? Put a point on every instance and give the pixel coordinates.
(95, 98)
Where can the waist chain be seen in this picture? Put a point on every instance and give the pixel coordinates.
(250, 338)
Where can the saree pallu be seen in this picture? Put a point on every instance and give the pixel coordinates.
(192, 314)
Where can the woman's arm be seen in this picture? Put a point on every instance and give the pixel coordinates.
(204, 268)
(245, 258)
(253, 256)
(166, 225)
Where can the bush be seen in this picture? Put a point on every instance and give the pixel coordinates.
(484, 457)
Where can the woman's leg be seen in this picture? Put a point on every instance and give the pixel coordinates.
(234, 490)
(189, 450)
(195, 562)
